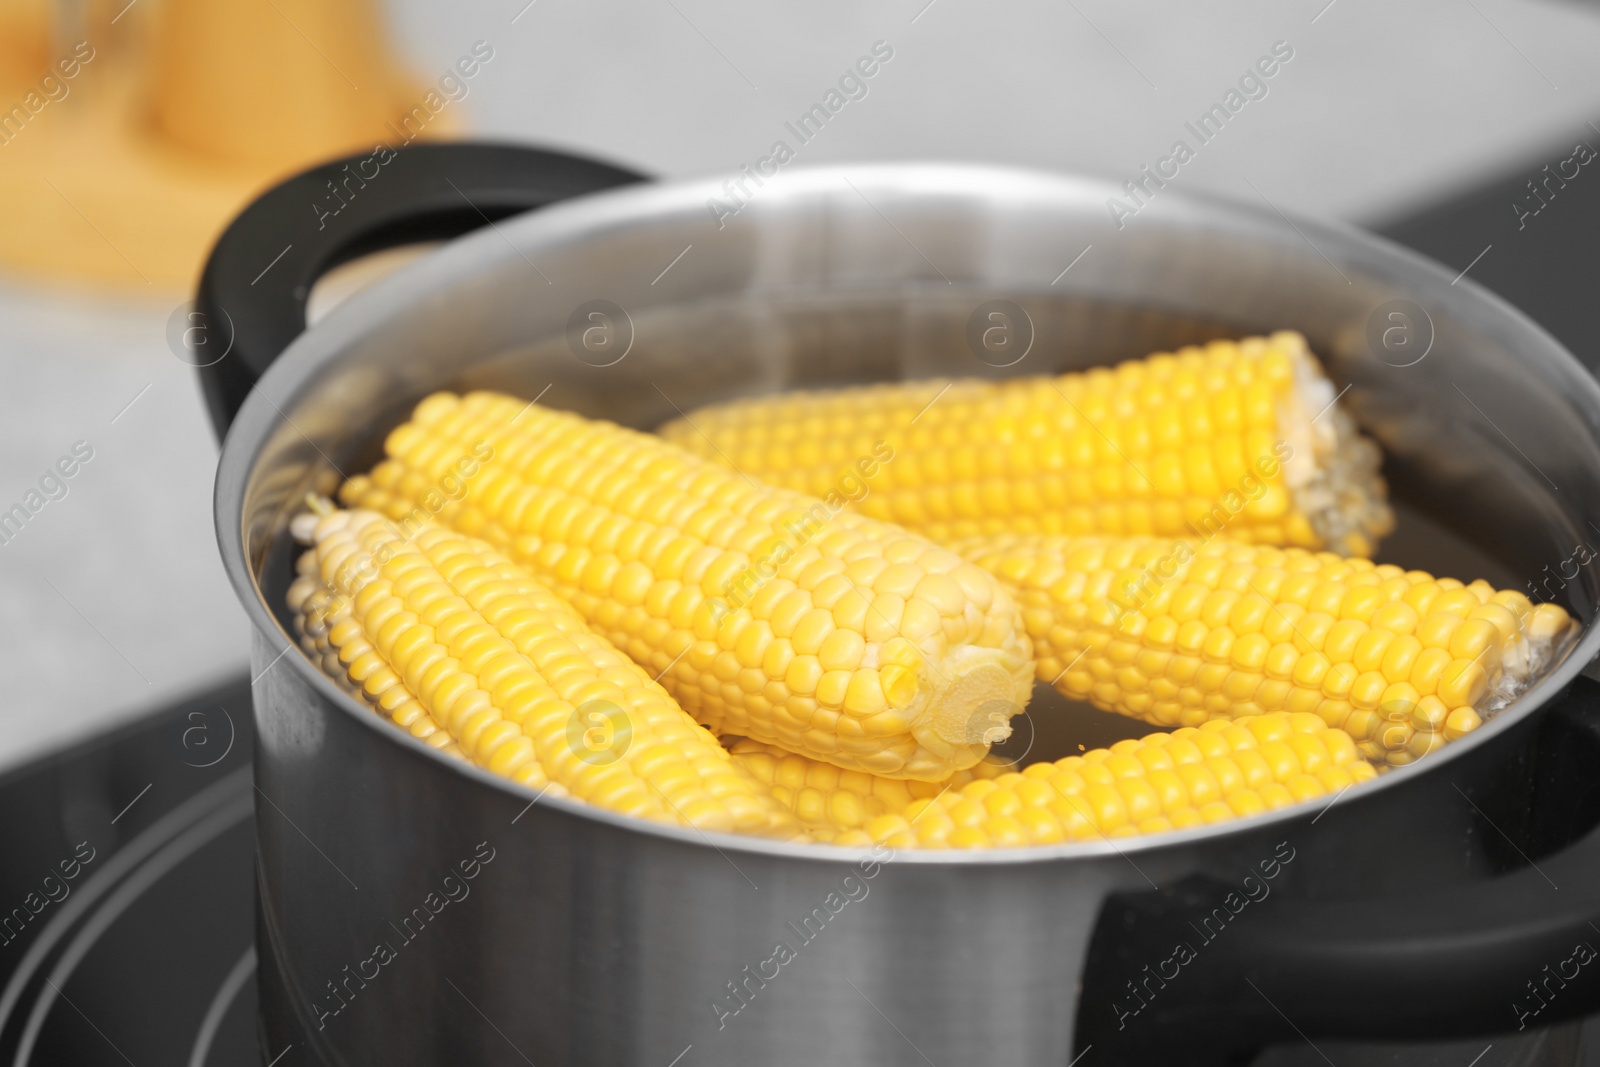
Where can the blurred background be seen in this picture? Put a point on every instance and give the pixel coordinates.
(132, 130)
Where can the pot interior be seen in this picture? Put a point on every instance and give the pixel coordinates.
(1491, 431)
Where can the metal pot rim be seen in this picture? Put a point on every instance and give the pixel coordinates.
(611, 210)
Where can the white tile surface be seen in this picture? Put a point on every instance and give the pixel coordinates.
(1383, 106)
(114, 598)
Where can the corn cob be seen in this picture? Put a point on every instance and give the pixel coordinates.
(463, 648)
(1240, 438)
(767, 615)
(1191, 777)
(830, 801)
(1176, 634)
(317, 611)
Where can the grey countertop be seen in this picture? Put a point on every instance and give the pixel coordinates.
(113, 598)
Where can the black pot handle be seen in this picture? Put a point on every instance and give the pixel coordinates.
(252, 298)
(1488, 956)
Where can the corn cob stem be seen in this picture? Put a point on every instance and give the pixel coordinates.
(768, 616)
(460, 646)
(1191, 777)
(1241, 438)
(1175, 634)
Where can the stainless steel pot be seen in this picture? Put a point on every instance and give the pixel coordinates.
(414, 910)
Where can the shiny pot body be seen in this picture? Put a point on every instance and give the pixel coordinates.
(414, 909)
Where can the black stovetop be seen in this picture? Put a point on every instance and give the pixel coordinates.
(131, 858)
(126, 890)
(128, 931)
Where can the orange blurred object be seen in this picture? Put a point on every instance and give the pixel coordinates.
(129, 138)
(24, 44)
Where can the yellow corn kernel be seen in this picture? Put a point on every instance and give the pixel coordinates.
(767, 614)
(1091, 605)
(1273, 760)
(830, 802)
(471, 654)
(1243, 439)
